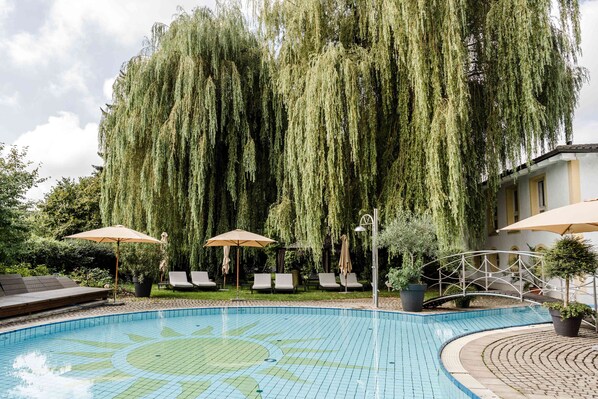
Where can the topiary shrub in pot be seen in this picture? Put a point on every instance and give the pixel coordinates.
(142, 262)
(570, 257)
(410, 236)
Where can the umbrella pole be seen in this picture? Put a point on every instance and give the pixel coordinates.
(116, 271)
(237, 272)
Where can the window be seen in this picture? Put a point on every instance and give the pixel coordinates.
(541, 196)
(537, 188)
(512, 205)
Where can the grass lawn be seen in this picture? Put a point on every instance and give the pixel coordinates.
(244, 293)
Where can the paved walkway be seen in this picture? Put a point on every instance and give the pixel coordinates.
(526, 363)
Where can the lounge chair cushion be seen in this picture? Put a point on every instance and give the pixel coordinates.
(12, 284)
(284, 281)
(262, 281)
(201, 279)
(328, 280)
(179, 280)
(351, 281)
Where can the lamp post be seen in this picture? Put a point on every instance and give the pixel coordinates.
(367, 220)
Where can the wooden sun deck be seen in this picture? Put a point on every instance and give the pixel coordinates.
(20, 296)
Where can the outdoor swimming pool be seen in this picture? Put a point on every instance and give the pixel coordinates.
(261, 352)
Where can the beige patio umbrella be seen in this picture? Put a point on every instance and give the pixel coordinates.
(225, 263)
(239, 238)
(115, 234)
(581, 217)
(344, 263)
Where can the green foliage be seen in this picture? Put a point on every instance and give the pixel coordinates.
(570, 257)
(65, 256)
(190, 141)
(70, 207)
(141, 260)
(410, 104)
(409, 273)
(410, 234)
(26, 270)
(15, 181)
(91, 277)
(573, 309)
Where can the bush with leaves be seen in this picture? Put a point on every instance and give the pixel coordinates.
(25, 270)
(413, 237)
(140, 260)
(570, 257)
(91, 277)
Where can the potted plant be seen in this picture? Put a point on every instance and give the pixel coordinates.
(412, 237)
(569, 257)
(142, 262)
(464, 301)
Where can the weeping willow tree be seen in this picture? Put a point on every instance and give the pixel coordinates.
(406, 104)
(190, 136)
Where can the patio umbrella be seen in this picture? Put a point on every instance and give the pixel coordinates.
(581, 217)
(115, 234)
(239, 238)
(225, 263)
(344, 263)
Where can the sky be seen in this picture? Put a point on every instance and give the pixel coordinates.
(59, 58)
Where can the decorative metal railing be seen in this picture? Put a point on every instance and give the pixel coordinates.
(523, 274)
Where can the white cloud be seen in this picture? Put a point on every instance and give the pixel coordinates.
(64, 149)
(585, 125)
(11, 100)
(75, 78)
(107, 88)
(67, 23)
(6, 7)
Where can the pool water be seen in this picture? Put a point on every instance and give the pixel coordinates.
(243, 353)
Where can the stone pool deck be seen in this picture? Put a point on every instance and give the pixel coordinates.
(523, 362)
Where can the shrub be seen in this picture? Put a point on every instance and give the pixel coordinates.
(91, 277)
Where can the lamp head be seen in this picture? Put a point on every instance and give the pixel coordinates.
(359, 229)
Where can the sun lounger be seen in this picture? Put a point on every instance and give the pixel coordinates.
(283, 282)
(19, 296)
(262, 282)
(201, 280)
(178, 280)
(328, 281)
(351, 281)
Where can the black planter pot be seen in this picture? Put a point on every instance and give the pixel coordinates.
(412, 298)
(144, 289)
(567, 327)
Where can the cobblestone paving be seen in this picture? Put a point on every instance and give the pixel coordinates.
(540, 364)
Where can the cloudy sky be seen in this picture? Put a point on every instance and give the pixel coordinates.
(58, 59)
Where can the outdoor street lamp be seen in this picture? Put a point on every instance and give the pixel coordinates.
(368, 220)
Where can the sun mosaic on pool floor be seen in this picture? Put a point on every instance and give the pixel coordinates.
(229, 362)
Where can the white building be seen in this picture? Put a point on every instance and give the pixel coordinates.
(564, 176)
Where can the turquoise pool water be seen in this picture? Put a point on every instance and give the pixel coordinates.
(242, 353)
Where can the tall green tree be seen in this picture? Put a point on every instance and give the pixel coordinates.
(15, 181)
(70, 207)
(412, 104)
(191, 138)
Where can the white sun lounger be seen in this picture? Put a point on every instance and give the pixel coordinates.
(201, 280)
(178, 280)
(262, 282)
(328, 281)
(351, 281)
(283, 282)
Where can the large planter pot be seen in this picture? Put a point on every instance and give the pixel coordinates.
(412, 298)
(144, 289)
(567, 327)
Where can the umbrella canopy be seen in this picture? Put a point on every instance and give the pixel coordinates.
(115, 234)
(226, 262)
(344, 263)
(581, 217)
(239, 238)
